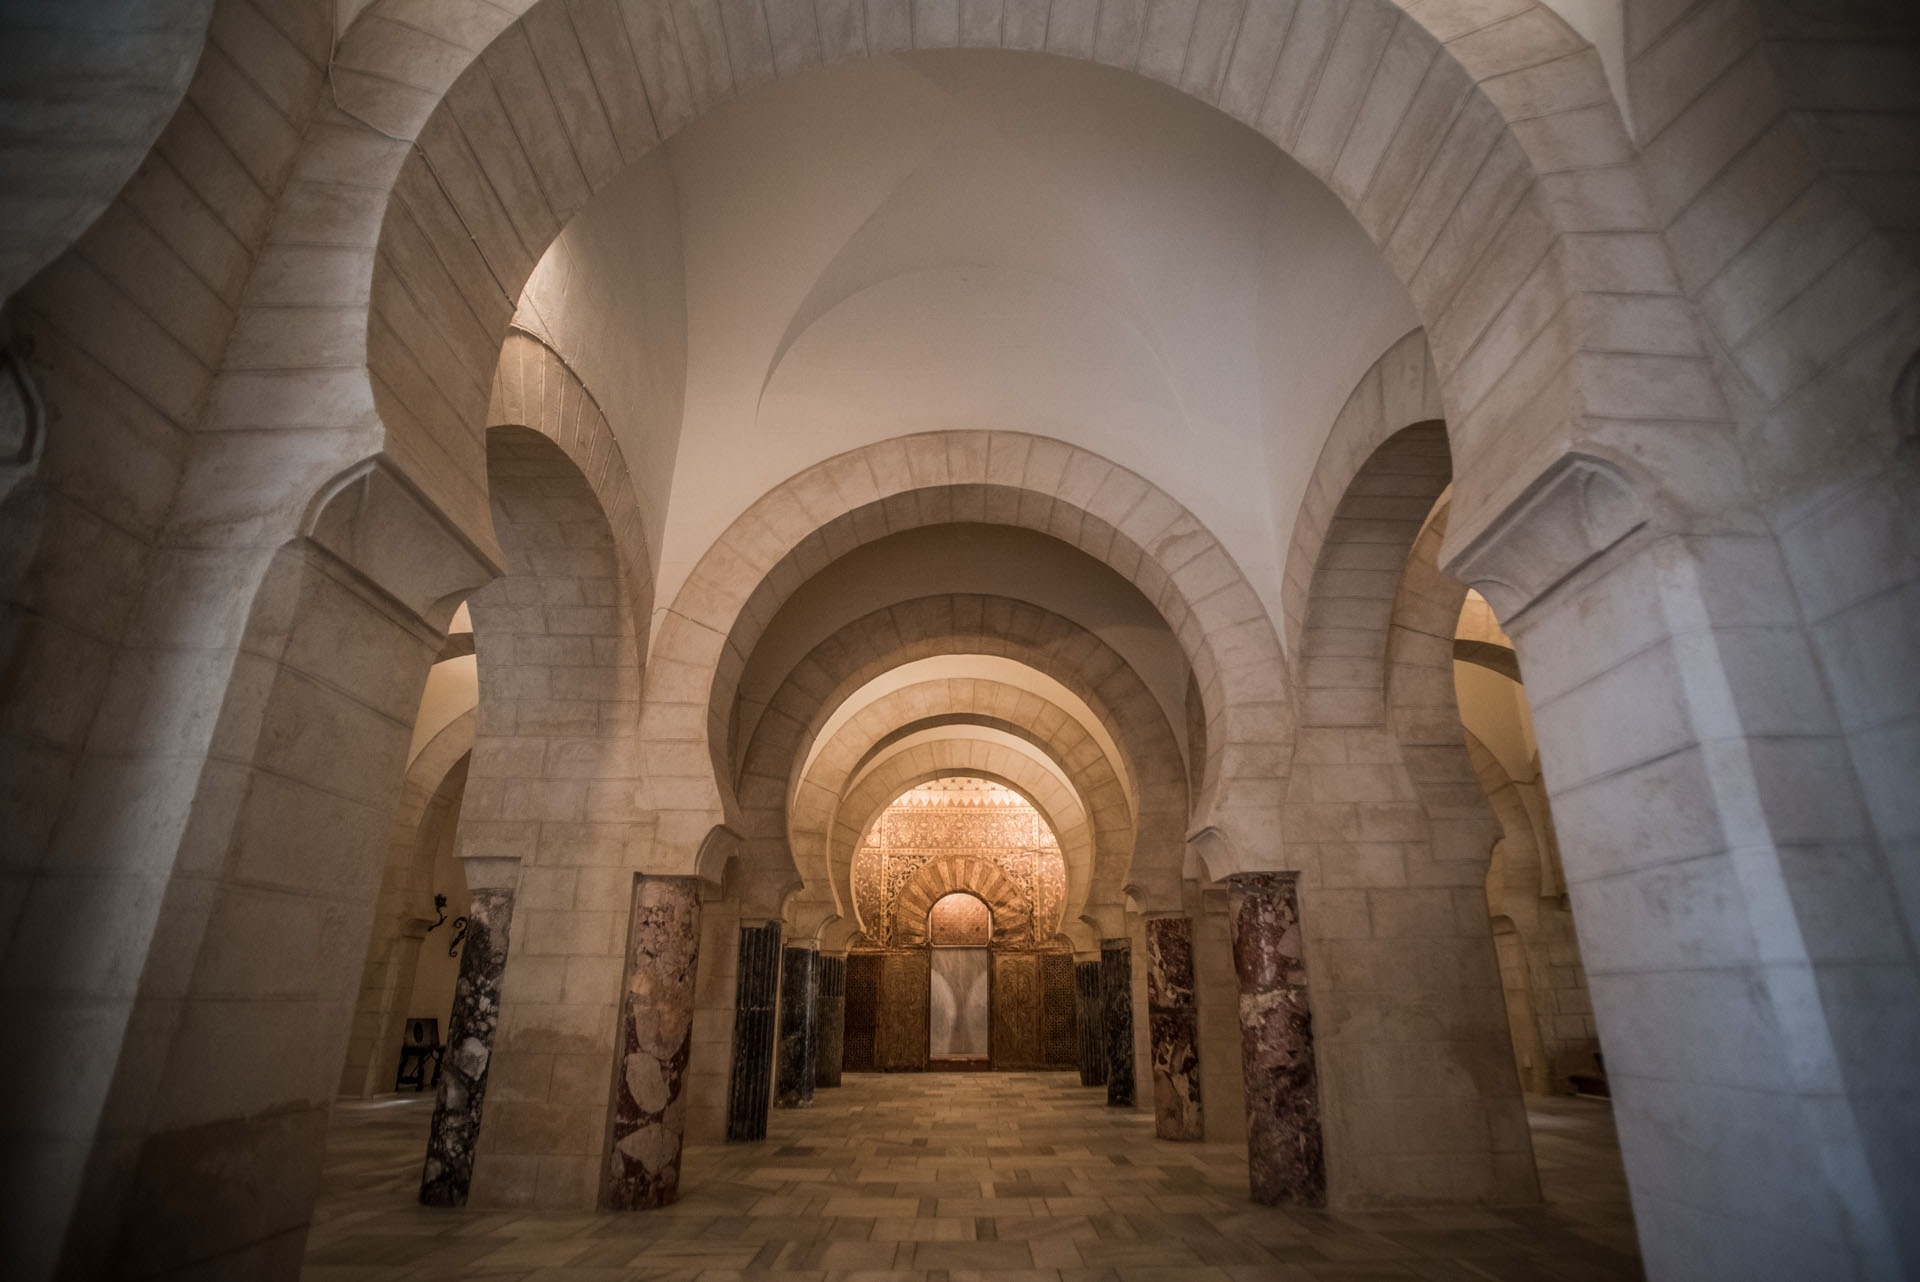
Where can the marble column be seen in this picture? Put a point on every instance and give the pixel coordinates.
(656, 1036)
(1093, 1028)
(830, 1021)
(756, 986)
(455, 1130)
(793, 1058)
(1285, 1158)
(1173, 1027)
(1116, 1019)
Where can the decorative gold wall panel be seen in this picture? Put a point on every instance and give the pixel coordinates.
(967, 823)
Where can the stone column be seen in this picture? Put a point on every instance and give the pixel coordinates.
(1284, 1154)
(1173, 1026)
(448, 1172)
(656, 1036)
(1116, 1019)
(756, 985)
(1093, 1029)
(799, 990)
(830, 1021)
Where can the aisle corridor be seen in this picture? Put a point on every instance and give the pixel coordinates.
(999, 1177)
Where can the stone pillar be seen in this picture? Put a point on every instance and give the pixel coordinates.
(1093, 1028)
(799, 991)
(1284, 1153)
(830, 1021)
(756, 985)
(656, 1037)
(1174, 1027)
(448, 1172)
(1116, 1019)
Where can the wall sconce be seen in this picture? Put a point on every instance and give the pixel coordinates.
(459, 926)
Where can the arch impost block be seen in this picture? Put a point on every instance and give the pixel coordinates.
(1576, 510)
(374, 520)
(491, 872)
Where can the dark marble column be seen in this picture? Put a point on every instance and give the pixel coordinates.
(1285, 1158)
(1087, 1012)
(830, 1021)
(1116, 1019)
(793, 1058)
(1173, 1028)
(656, 1035)
(448, 1172)
(756, 986)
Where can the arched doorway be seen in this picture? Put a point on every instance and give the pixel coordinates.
(959, 1010)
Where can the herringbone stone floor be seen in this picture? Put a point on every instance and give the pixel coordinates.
(1021, 1177)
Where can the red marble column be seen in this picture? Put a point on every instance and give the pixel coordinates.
(1285, 1158)
(656, 1034)
(1173, 1028)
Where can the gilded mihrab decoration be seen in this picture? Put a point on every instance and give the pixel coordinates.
(963, 819)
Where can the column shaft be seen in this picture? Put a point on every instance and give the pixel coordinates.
(448, 1172)
(1089, 1014)
(1284, 1151)
(1173, 1025)
(799, 991)
(753, 1032)
(830, 1021)
(1116, 1016)
(656, 1036)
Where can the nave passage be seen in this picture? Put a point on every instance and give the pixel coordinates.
(1003, 1177)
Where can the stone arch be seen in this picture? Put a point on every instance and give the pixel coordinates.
(533, 387)
(946, 760)
(949, 759)
(772, 776)
(431, 792)
(1348, 613)
(1110, 513)
(1097, 848)
(112, 77)
(1050, 729)
(557, 646)
(1525, 889)
(1422, 706)
(551, 786)
(1481, 181)
(1399, 391)
(1473, 173)
(941, 877)
(1394, 855)
(997, 762)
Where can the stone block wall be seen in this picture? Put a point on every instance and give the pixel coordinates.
(552, 785)
(1217, 998)
(714, 990)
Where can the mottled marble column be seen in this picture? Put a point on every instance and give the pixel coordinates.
(757, 984)
(1284, 1152)
(830, 1021)
(448, 1172)
(793, 1058)
(656, 1035)
(1116, 1019)
(1087, 1012)
(1173, 1027)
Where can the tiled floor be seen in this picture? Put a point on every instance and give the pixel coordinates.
(949, 1177)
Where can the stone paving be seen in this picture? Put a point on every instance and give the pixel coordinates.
(1005, 1177)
